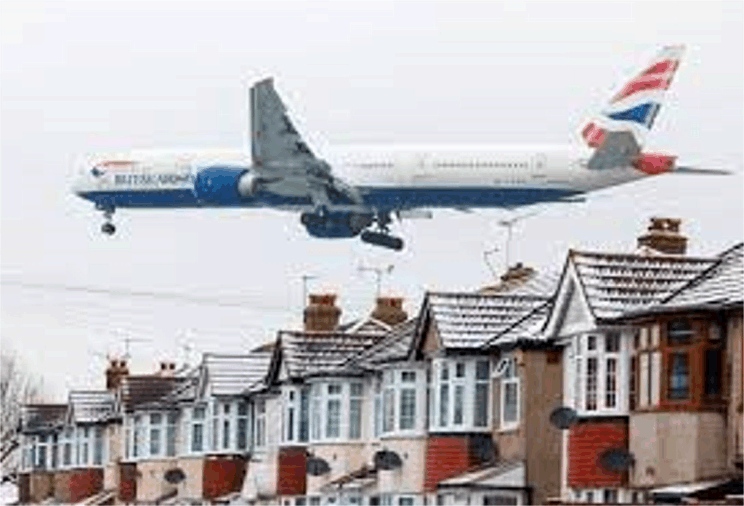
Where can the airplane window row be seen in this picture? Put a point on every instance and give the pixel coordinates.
(521, 165)
(376, 165)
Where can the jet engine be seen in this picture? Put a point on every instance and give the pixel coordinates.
(335, 224)
(249, 184)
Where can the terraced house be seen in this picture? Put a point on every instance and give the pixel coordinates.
(617, 380)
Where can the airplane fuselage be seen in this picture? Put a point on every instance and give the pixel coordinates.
(386, 178)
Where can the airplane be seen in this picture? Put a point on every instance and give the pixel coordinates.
(356, 192)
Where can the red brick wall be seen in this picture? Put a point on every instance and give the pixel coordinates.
(291, 478)
(586, 442)
(446, 456)
(24, 488)
(222, 475)
(74, 486)
(127, 483)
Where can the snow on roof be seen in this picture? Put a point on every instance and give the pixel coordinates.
(500, 475)
(468, 320)
(35, 417)
(311, 353)
(91, 406)
(542, 283)
(393, 347)
(615, 283)
(229, 375)
(526, 329)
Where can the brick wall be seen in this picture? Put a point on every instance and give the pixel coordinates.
(127, 483)
(222, 475)
(24, 488)
(291, 472)
(41, 485)
(586, 442)
(447, 456)
(75, 485)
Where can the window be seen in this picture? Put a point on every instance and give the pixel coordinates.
(480, 415)
(170, 433)
(333, 412)
(591, 383)
(713, 365)
(55, 451)
(591, 343)
(355, 410)
(42, 452)
(225, 426)
(242, 435)
(632, 388)
(458, 407)
(679, 376)
(260, 423)
(156, 421)
(83, 445)
(378, 408)
(612, 342)
(198, 415)
(590, 497)
(610, 496)
(97, 446)
(304, 428)
(577, 384)
(679, 332)
(138, 437)
(67, 448)
(510, 396)
(499, 500)
(407, 408)
(388, 409)
(443, 394)
(290, 420)
(611, 383)
(405, 501)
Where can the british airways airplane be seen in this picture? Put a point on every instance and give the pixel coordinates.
(357, 192)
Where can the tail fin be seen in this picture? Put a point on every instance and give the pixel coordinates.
(638, 102)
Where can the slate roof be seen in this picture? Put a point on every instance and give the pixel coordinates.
(91, 406)
(615, 283)
(468, 320)
(41, 417)
(230, 375)
(314, 353)
(541, 283)
(149, 391)
(395, 346)
(525, 330)
(720, 285)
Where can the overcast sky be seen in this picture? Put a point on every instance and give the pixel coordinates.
(93, 77)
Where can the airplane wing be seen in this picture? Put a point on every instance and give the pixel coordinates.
(278, 150)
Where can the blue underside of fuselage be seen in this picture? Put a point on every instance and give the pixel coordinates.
(378, 198)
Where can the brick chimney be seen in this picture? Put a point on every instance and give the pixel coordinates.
(390, 310)
(116, 371)
(322, 315)
(167, 369)
(515, 276)
(663, 236)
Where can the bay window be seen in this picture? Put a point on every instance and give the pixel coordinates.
(156, 429)
(460, 394)
(67, 447)
(333, 412)
(171, 434)
(98, 442)
(41, 460)
(482, 382)
(679, 337)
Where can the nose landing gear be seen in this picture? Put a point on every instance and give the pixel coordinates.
(108, 228)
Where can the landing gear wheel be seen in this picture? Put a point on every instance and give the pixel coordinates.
(382, 239)
(108, 228)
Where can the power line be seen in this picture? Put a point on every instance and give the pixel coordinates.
(122, 292)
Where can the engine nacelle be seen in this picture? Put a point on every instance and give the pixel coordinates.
(336, 224)
(218, 185)
(249, 184)
(651, 164)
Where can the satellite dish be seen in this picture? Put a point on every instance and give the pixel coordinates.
(563, 417)
(174, 476)
(616, 460)
(387, 460)
(317, 466)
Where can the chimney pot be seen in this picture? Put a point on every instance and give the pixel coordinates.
(663, 236)
(390, 310)
(321, 314)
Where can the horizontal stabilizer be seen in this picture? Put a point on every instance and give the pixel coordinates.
(415, 214)
(693, 170)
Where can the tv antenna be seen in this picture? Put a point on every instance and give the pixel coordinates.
(379, 271)
(128, 340)
(490, 267)
(509, 224)
(305, 279)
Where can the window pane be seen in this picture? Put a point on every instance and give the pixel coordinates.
(591, 383)
(156, 419)
(199, 413)
(334, 389)
(388, 408)
(443, 404)
(481, 370)
(591, 343)
(225, 434)
(510, 401)
(459, 370)
(316, 418)
(459, 393)
(679, 375)
(243, 409)
(355, 419)
(197, 437)
(612, 342)
(679, 332)
(98, 447)
(444, 373)
(304, 415)
(357, 389)
(170, 443)
(154, 441)
(333, 418)
(611, 383)
(242, 433)
(480, 417)
(290, 424)
(407, 408)
(408, 376)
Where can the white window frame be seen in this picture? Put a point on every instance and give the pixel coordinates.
(486, 382)
(68, 444)
(356, 415)
(244, 417)
(99, 443)
(510, 378)
(201, 421)
(260, 435)
(455, 392)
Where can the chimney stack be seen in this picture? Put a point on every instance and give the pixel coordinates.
(515, 276)
(167, 369)
(322, 315)
(663, 236)
(115, 372)
(390, 310)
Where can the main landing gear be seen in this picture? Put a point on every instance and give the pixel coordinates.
(108, 227)
(382, 236)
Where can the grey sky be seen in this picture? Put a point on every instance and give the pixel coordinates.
(100, 76)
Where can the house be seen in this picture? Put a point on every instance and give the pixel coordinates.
(686, 413)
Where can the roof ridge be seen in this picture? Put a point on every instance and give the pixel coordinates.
(680, 258)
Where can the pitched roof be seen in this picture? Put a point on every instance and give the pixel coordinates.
(525, 330)
(615, 283)
(504, 474)
(395, 346)
(533, 282)
(231, 374)
(149, 391)
(721, 285)
(468, 320)
(312, 353)
(39, 417)
(91, 406)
